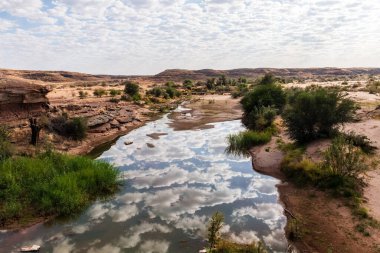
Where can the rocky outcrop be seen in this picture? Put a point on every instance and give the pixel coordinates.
(21, 99)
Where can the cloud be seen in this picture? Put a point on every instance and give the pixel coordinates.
(134, 234)
(118, 36)
(154, 246)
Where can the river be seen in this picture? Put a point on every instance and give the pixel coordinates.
(173, 181)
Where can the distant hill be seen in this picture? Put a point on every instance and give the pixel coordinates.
(51, 77)
(180, 74)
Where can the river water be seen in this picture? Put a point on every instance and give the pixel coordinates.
(172, 183)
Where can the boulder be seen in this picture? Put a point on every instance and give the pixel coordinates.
(98, 120)
(100, 129)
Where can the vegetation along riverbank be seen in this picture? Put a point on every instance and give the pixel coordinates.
(324, 167)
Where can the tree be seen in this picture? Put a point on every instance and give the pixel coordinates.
(261, 103)
(188, 84)
(314, 113)
(131, 88)
(268, 79)
(215, 224)
(210, 83)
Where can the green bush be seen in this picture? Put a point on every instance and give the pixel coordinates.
(83, 94)
(131, 88)
(188, 84)
(360, 141)
(156, 92)
(266, 94)
(75, 128)
(314, 113)
(114, 92)
(172, 92)
(241, 143)
(100, 92)
(343, 159)
(52, 184)
(259, 118)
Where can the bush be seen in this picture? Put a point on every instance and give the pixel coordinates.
(360, 141)
(156, 92)
(100, 92)
(83, 94)
(75, 128)
(188, 84)
(314, 113)
(114, 92)
(343, 159)
(131, 88)
(268, 95)
(52, 184)
(241, 143)
(259, 118)
(264, 95)
(172, 92)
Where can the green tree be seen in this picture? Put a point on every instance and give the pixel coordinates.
(131, 88)
(188, 84)
(314, 113)
(259, 101)
(210, 84)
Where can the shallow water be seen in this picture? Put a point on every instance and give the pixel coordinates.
(172, 185)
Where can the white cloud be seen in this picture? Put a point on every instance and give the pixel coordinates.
(119, 36)
(154, 246)
(133, 236)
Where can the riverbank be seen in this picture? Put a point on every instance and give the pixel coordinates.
(325, 223)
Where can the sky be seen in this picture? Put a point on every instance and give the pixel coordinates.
(149, 36)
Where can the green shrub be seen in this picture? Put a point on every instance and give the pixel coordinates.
(131, 88)
(257, 103)
(83, 94)
(172, 92)
(360, 141)
(188, 84)
(75, 128)
(52, 184)
(241, 143)
(314, 113)
(343, 159)
(156, 92)
(259, 118)
(100, 92)
(264, 95)
(114, 92)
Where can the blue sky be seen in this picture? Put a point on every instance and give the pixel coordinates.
(149, 36)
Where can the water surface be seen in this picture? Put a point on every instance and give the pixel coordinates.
(172, 183)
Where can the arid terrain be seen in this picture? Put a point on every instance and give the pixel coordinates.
(327, 222)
